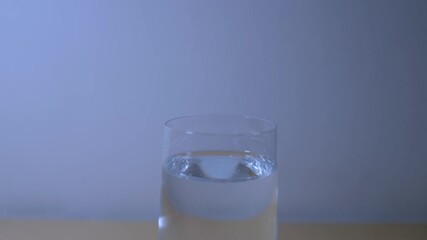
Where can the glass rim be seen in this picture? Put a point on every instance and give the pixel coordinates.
(272, 126)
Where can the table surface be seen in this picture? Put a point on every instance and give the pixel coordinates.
(82, 230)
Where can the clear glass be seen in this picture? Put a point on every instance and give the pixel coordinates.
(219, 179)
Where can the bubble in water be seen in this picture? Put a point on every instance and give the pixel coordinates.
(214, 167)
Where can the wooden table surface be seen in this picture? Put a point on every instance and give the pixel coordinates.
(82, 230)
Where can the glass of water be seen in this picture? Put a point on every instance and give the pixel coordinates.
(219, 179)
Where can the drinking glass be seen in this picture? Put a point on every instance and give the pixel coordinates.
(219, 179)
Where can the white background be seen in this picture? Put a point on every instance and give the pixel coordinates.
(85, 87)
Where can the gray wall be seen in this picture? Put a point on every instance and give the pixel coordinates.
(85, 87)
